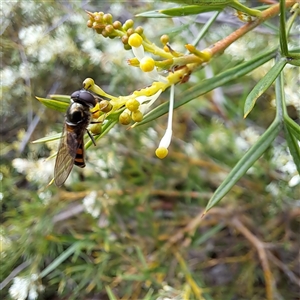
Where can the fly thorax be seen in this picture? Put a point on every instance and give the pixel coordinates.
(77, 113)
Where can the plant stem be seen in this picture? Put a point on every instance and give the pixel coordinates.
(221, 45)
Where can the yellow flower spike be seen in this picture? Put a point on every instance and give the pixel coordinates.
(147, 64)
(132, 104)
(135, 40)
(161, 152)
(137, 116)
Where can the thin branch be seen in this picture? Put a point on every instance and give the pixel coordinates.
(262, 253)
(13, 274)
(221, 45)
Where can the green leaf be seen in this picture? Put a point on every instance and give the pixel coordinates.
(282, 30)
(293, 146)
(48, 138)
(208, 234)
(60, 259)
(54, 104)
(263, 85)
(294, 61)
(209, 84)
(61, 98)
(245, 163)
(293, 127)
(220, 3)
(152, 14)
(110, 293)
(190, 10)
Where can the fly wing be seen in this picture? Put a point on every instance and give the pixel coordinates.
(66, 155)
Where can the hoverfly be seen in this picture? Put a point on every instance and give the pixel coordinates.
(71, 148)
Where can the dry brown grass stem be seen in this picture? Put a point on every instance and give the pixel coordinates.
(260, 248)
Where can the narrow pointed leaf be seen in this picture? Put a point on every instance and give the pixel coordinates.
(60, 259)
(47, 138)
(61, 98)
(293, 127)
(110, 293)
(263, 85)
(54, 104)
(191, 10)
(293, 146)
(209, 84)
(152, 14)
(251, 156)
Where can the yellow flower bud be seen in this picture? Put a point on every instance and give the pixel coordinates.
(88, 83)
(124, 118)
(89, 23)
(164, 39)
(109, 28)
(132, 104)
(95, 129)
(107, 18)
(128, 24)
(130, 31)
(161, 152)
(137, 116)
(105, 106)
(139, 30)
(135, 40)
(147, 64)
(117, 24)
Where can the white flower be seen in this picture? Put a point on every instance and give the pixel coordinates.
(89, 203)
(295, 180)
(273, 189)
(40, 171)
(248, 137)
(146, 102)
(139, 53)
(217, 140)
(166, 140)
(24, 287)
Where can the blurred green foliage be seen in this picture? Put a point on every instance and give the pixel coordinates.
(122, 228)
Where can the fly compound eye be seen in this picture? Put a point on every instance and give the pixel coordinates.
(84, 97)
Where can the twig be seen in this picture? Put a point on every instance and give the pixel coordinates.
(221, 45)
(270, 283)
(293, 278)
(13, 274)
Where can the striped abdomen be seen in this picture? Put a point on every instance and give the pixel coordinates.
(79, 158)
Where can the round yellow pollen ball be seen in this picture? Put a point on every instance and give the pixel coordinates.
(147, 64)
(135, 40)
(161, 152)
